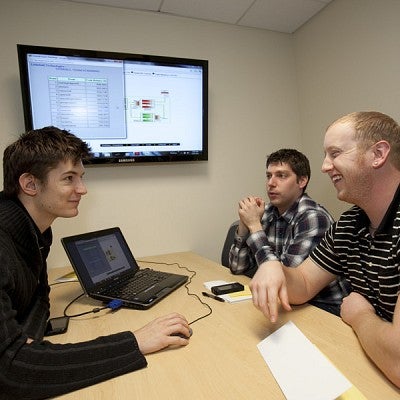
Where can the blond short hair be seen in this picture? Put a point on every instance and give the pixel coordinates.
(370, 127)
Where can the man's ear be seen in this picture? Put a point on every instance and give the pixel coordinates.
(303, 180)
(27, 183)
(381, 151)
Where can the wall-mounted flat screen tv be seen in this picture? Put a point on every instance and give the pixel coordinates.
(129, 108)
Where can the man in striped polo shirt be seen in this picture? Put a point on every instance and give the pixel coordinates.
(362, 159)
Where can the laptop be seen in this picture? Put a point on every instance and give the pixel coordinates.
(107, 270)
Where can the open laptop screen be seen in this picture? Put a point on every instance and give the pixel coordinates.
(99, 257)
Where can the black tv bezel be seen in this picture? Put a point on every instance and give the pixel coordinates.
(23, 50)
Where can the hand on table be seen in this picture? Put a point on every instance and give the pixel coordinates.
(268, 288)
(156, 335)
(353, 306)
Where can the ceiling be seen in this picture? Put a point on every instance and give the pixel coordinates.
(275, 15)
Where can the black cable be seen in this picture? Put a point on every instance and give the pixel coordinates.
(94, 310)
(113, 305)
(119, 304)
(70, 303)
(186, 286)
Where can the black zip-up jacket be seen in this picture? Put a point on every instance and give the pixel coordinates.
(41, 369)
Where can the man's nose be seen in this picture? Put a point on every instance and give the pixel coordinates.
(81, 188)
(326, 165)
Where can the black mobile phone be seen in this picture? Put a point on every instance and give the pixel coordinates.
(57, 325)
(227, 288)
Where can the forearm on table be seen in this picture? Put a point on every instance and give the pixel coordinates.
(42, 369)
(379, 340)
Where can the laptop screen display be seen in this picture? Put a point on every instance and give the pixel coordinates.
(103, 257)
(107, 270)
(99, 256)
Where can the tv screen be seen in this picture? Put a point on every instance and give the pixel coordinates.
(129, 108)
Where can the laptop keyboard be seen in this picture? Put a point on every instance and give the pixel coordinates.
(142, 280)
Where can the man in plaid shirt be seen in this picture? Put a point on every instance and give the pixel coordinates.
(287, 229)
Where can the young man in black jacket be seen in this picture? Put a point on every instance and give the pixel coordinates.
(43, 180)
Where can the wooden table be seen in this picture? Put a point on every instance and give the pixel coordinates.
(222, 360)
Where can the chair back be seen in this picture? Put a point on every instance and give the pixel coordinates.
(228, 243)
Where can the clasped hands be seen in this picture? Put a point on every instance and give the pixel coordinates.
(251, 210)
(268, 285)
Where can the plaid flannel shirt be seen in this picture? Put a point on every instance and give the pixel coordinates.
(288, 238)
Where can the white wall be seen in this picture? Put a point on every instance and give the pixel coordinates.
(348, 59)
(267, 90)
(253, 111)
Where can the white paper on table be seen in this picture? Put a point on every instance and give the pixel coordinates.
(299, 367)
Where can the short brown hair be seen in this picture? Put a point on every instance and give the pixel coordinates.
(297, 161)
(37, 152)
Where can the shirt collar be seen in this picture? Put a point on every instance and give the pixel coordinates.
(45, 239)
(387, 222)
(288, 215)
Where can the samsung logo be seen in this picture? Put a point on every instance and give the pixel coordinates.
(124, 160)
